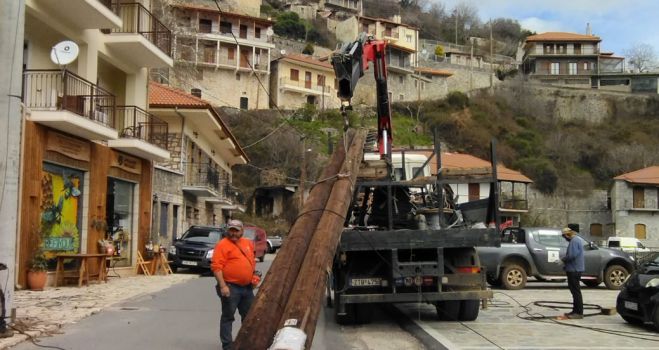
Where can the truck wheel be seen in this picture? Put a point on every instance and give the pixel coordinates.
(494, 282)
(592, 283)
(448, 310)
(348, 318)
(615, 276)
(513, 277)
(363, 313)
(655, 317)
(469, 309)
(269, 250)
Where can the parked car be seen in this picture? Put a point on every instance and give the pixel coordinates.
(536, 251)
(259, 237)
(195, 248)
(637, 301)
(274, 243)
(627, 244)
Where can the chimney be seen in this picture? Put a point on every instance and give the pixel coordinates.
(196, 92)
(589, 31)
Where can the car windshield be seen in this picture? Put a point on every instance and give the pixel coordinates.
(249, 233)
(205, 235)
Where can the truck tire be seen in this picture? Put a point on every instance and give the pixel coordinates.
(513, 277)
(348, 318)
(494, 282)
(363, 313)
(448, 310)
(615, 276)
(469, 309)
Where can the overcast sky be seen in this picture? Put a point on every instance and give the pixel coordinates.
(619, 23)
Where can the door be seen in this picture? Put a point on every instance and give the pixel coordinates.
(307, 80)
(639, 231)
(546, 247)
(244, 102)
(164, 211)
(175, 222)
(119, 207)
(243, 31)
(592, 259)
(474, 192)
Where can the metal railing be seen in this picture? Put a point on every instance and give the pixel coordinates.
(134, 122)
(202, 175)
(54, 90)
(309, 85)
(137, 19)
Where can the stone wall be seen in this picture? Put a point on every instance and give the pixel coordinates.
(463, 79)
(295, 46)
(575, 103)
(626, 217)
(167, 195)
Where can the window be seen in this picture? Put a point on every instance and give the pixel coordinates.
(548, 48)
(164, 211)
(474, 192)
(225, 27)
(320, 80)
(295, 74)
(415, 170)
(243, 31)
(244, 102)
(231, 52)
(561, 48)
(577, 49)
(408, 37)
(585, 66)
(257, 33)
(639, 197)
(307, 80)
(401, 97)
(238, 76)
(205, 25)
(572, 68)
(400, 79)
(555, 68)
(550, 238)
(639, 231)
(596, 230)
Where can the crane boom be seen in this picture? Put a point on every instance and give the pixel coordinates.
(350, 62)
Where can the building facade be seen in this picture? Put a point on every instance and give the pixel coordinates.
(224, 54)
(194, 187)
(298, 79)
(89, 143)
(635, 205)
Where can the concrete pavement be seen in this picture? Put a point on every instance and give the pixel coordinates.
(45, 312)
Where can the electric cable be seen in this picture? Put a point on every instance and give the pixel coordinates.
(33, 340)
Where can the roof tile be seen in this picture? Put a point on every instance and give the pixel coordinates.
(165, 96)
(562, 36)
(649, 175)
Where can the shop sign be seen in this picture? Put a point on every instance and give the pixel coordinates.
(58, 243)
(68, 146)
(127, 163)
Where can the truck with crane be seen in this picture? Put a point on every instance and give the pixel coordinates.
(405, 239)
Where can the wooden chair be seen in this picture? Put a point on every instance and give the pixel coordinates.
(161, 263)
(142, 264)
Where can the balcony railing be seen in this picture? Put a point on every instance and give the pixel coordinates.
(137, 19)
(310, 85)
(202, 175)
(134, 122)
(56, 90)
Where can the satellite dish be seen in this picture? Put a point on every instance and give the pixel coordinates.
(64, 52)
(269, 32)
(283, 52)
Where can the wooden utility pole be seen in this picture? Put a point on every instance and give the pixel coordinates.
(303, 173)
(259, 327)
(306, 296)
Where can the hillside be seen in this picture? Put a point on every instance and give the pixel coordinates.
(557, 153)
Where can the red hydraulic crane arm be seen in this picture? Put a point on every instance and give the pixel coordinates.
(350, 62)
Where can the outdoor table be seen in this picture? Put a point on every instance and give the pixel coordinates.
(82, 272)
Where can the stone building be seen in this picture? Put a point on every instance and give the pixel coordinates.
(194, 186)
(298, 79)
(635, 205)
(225, 54)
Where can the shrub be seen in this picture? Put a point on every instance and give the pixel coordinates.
(457, 99)
(289, 25)
(439, 50)
(308, 49)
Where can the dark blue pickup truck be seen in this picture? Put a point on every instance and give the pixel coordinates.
(535, 251)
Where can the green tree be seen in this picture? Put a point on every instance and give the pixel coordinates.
(290, 25)
(308, 49)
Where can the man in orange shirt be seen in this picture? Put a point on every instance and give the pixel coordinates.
(233, 264)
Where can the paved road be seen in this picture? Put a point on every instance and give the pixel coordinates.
(499, 327)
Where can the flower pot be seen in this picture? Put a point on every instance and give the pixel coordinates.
(36, 280)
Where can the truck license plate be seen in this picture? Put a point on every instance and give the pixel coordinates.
(189, 263)
(365, 282)
(631, 305)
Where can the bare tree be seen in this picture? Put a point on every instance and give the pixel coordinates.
(642, 57)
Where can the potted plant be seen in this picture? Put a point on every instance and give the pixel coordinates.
(38, 271)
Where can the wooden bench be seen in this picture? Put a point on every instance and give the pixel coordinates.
(82, 269)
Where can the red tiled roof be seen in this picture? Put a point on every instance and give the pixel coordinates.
(308, 60)
(225, 13)
(562, 36)
(426, 70)
(452, 160)
(649, 175)
(165, 96)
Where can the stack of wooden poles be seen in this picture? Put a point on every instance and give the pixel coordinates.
(297, 279)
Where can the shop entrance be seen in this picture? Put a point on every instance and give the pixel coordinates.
(119, 211)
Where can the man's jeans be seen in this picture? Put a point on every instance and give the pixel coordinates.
(573, 282)
(239, 298)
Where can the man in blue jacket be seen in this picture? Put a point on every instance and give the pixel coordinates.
(574, 266)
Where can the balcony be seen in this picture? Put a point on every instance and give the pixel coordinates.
(344, 4)
(304, 87)
(142, 38)
(81, 14)
(62, 100)
(201, 180)
(141, 134)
